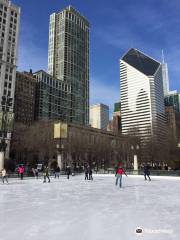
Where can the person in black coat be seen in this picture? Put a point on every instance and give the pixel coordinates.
(57, 172)
(147, 172)
(90, 174)
(86, 173)
(68, 171)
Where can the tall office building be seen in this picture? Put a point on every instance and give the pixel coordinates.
(9, 33)
(142, 98)
(115, 123)
(99, 116)
(68, 58)
(173, 99)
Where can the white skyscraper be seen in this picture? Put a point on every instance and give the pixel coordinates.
(99, 116)
(142, 98)
(9, 33)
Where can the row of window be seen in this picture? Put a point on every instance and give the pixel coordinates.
(53, 83)
(2, 7)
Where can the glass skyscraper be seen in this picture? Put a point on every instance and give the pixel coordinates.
(68, 58)
(173, 99)
(53, 98)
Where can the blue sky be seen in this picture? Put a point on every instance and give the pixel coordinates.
(148, 25)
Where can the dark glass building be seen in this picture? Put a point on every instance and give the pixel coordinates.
(53, 98)
(24, 101)
(68, 58)
(173, 100)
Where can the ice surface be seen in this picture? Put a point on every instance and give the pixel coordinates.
(90, 210)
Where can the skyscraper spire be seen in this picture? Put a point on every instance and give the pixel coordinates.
(165, 75)
(163, 56)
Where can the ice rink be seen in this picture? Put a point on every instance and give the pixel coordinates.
(92, 210)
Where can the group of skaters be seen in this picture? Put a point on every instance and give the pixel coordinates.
(120, 171)
(57, 170)
(88, 173)
(4, 174)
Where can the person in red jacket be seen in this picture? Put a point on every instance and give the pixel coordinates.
(120, 171)
(21, 171)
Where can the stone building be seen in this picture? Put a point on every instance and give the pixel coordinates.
(84, 145)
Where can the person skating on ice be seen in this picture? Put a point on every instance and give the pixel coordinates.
(46, 174)
(147, 172)
(86, 173)
(90, 173)
(120, 171)
(4, 175)
(57, 172)
(21, 171)
(68, 171)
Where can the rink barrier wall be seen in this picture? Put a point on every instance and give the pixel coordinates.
(111, 172)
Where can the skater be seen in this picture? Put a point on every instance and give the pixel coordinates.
(4, 175)
(46, 174)
(21, 171)
(33, 171)
(90, 174)
(68, 171)
(57, 172)
(147, 172)
(86, 173)
(120, 171)
(36, 173)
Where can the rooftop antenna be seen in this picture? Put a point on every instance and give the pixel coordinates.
(163, 56)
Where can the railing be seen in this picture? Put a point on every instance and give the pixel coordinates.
(140, 172)
(107, 171)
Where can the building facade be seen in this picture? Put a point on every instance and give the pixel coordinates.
(9, 34)
(25, 96)
(173, 99)
(115, 124)
(84, 145)
(68, 58)
(173, 122)
(53, 98)
(99, 116)
(142, 99)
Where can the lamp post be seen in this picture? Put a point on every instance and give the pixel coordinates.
(6, 105)
(135, 157)
(60, 148)
(60, 133)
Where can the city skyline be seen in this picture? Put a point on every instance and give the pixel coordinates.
(114, 29)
